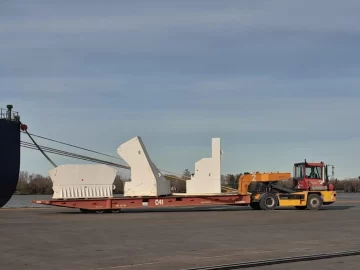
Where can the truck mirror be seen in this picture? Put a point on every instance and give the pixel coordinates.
(332, 170)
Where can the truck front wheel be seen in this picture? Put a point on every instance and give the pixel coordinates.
(314, 202)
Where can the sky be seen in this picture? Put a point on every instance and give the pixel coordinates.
(277, 81)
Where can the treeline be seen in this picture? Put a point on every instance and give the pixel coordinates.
(344, 185)
(347, 185)
(33, 184)
(231, 180)
(39, 184)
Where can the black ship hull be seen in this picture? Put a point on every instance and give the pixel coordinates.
(9, 159)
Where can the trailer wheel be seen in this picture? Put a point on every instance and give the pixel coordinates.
(103, 211)
(255, 205)
(268, 201)
(99, 211)
(314, 202)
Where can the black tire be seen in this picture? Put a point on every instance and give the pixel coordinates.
(100, 211)
(103, 211)
(255, 205)
(314, 202)
(92, 211)
(269, 201)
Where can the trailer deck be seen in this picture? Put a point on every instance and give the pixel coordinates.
(118, 203)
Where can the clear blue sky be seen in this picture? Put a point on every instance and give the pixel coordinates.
(277, 81)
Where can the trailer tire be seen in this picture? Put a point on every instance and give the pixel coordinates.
(314, 202)
(99, 211)
(269, 201)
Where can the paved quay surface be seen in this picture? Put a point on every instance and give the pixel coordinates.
(60, 238)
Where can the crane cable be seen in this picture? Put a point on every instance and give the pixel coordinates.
(44, 149)
(69, 154)
(89, 150)
(46, 156)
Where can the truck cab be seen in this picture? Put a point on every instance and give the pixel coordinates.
(312, 176)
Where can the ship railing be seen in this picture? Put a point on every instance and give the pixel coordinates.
(9, 115)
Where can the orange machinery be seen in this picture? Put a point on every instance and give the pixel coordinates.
(246, 179)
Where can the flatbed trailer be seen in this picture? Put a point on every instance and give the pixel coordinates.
(115, 204)
(312, 200)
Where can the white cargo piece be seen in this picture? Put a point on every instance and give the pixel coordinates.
(207, 176)
(74, 181)
(146, 179)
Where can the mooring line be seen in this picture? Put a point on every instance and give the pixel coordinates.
(268, 262)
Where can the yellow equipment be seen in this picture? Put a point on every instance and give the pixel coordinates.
(268, 191)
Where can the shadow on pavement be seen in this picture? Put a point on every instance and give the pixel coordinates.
(338, 207)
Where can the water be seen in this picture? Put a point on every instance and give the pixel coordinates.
(21, 201)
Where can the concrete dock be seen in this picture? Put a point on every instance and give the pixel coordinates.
(61, 238)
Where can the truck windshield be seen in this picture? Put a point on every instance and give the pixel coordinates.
(313, 172)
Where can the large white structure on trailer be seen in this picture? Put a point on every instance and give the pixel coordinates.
(73, 181)
(207, 176)
(146, 179)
